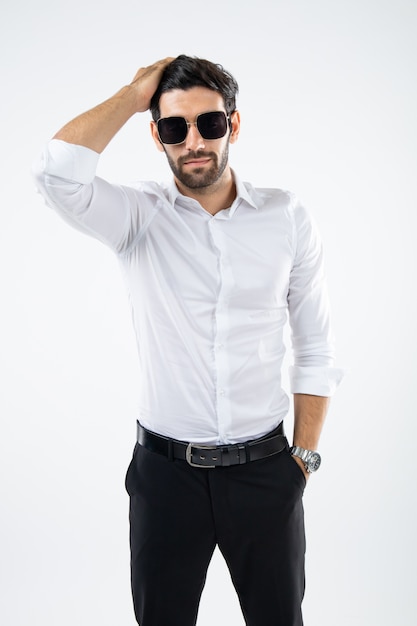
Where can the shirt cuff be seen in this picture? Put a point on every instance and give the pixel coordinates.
(74, 163)
(315, 381)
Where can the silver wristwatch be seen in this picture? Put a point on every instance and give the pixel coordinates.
(310, 458)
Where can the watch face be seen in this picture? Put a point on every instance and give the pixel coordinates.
(314, 462)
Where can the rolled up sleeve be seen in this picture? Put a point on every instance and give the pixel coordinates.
(64, 160)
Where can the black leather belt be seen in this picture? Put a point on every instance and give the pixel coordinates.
(199, 455)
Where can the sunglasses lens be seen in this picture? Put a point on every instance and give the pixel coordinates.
(212, 125)
(172, 129)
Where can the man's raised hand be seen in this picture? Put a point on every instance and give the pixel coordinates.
(146, 82)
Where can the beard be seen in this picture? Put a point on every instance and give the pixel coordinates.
(201, 177)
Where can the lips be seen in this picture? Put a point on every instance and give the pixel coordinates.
(197, 162)
(196, 159)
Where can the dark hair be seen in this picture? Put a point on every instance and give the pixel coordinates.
(186, 72)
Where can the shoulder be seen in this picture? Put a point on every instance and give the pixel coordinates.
(151, 194)
(149, 188)
(284, 208)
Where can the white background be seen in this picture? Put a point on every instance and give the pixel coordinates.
(328, 105)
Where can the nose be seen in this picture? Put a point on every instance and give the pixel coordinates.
(194, 141)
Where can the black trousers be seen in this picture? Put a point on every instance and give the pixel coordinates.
(178, 514)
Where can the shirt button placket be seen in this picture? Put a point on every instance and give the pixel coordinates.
(222, 324)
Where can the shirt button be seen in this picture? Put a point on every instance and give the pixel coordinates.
(222, 392)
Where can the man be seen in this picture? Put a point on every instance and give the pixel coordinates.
(213, 266)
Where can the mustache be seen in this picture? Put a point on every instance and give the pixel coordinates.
(196, 155)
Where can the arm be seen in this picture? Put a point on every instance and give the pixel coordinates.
(95, 128)
(313, 375)
(65, 172)
(309, 415)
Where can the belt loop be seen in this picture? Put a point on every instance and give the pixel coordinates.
(247, 452)
(170, 450)
(242, 454)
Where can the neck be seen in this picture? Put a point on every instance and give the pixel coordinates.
(215, 197)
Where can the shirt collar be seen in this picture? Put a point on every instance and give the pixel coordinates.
(248, 194)
(244, 193)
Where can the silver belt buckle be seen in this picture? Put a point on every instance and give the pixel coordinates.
(189, 455)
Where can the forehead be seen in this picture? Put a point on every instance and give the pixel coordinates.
(190, 102)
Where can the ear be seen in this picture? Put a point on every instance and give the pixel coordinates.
(155, 136)
(235, 124)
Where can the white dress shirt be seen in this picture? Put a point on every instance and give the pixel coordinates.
(209, 296)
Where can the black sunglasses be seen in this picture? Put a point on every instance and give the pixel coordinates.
(174, 130)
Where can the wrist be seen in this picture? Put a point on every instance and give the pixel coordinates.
(309, 459)
(128, 100)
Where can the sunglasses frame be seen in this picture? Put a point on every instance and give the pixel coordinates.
(195, 123)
